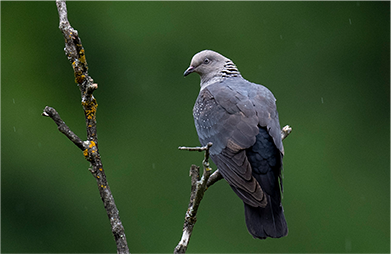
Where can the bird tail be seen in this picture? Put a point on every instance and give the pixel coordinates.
(266, 222)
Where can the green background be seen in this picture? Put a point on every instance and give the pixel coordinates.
(327, 63)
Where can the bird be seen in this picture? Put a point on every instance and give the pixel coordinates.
(240, 118)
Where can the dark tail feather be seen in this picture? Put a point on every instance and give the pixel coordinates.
(266, 222)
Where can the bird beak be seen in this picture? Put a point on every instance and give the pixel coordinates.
(188, 71)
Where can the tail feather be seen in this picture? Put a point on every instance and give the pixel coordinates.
(266, 222)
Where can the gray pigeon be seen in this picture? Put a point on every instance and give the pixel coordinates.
(240, 118)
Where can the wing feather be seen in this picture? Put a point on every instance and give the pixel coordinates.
(230, 115)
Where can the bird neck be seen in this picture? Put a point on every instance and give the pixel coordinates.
(229, 70)
(206, 83)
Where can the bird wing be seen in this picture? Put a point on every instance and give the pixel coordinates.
(229, 114)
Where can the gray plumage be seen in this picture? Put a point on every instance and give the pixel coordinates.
(240, 118)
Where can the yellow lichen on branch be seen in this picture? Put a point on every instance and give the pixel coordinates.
(85, 153)
(91, 151)
(90, 108)
(82, 57)
(92, 144)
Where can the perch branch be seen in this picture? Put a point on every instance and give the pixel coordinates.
(198, 188)
(76, 55)
(286, 130)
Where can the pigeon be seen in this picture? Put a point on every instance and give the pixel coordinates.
(240, 118)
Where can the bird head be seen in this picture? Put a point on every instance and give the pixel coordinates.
(210, 64)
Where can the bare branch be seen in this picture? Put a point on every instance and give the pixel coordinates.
(76, 55)
(286, 130)
(198, 188)
(63, 128)
(197, 148)
(216, 176)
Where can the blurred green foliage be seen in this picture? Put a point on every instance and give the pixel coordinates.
(328, 64)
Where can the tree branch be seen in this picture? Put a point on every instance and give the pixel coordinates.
(76, 55)
(286, 130)
(63, 128)
(198, 188)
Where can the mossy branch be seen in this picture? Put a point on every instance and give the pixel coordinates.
(76, 55)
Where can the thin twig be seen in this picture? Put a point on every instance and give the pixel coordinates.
(198, 188)
(197, 148)
(76, 55)
(63, 128)
(286, 130)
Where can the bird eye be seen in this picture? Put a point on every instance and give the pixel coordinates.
(206, 61)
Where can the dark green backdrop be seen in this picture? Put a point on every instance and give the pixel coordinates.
(327, 63)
